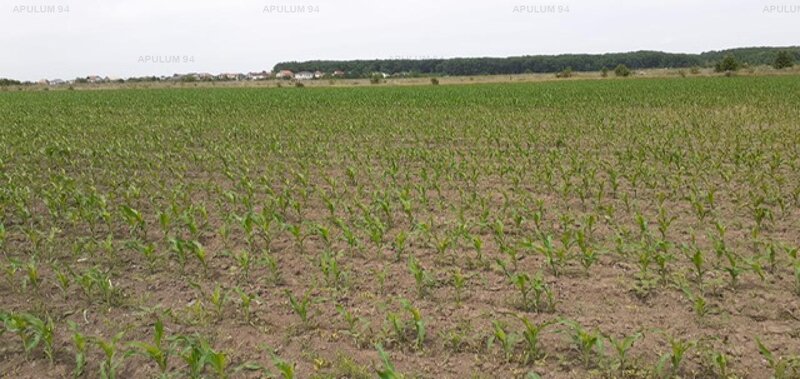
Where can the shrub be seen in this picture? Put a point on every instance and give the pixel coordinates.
(374, 79)
(604, 72)
(565, 73)
(783, 60)
(435, 81)
(622, 70)
(694, 70)
(727, 64)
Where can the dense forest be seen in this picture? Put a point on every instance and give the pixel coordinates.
(539, 63)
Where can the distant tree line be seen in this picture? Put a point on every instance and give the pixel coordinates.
(541, 63)
(9, 82)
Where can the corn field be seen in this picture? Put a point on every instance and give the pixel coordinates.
(620, 228)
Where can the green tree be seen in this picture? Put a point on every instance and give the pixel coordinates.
(622, 70)
(784, 59)
(727, 64)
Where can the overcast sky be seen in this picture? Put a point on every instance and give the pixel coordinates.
(122, 38)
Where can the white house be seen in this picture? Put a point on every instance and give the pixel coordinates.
(284, 74)
(304, 75)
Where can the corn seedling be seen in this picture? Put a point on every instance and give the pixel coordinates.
(332, 273)
(399, 245)
(218, 298)
(274, 269)
(622, 347)
(155, 351)
(458, 284)
(110, 349)
(190, 350)
(699, 302)
(245, 301)
(785, 367)
(421, 276)
(300, 306)
(508, 340)
(135, 220)
(79, 341)
(417, 322)
(675, 357)
(286, 369)
(244, 261)
(388, 371)
(585, 341)
(218, 360)
(531, 335)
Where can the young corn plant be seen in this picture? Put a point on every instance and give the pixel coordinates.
(333, 274)
(622, 346)
(584, 340)
(417, 322)
(135, 220)
(399, 245)
(111, 361)
(388, 371)
(156, 351)
(477, 244)
(190, 350)
(459, 281)
(588, 255)
(356, 327)
(199, 252)
(507, 340)
(421, 277)
(785, 367)
(274, 269)
(675, 357)
(698, 262)
(285, 368)
(556, 258)
(79, 340)
(734, 269)
(699, 302)
(32, 278)
(300, 306)
(31, 331)
(245, 262)
(218, 298)
(218, 361)
(245, 302)
(530, 335)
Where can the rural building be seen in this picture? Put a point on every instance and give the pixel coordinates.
(304, 75)
(263, 75)
(284, 74)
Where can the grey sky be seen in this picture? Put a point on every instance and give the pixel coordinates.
(122, 38)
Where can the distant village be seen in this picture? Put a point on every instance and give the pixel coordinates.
(207, 77)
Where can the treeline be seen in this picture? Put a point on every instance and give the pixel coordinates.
(539, 63)
(9, 82)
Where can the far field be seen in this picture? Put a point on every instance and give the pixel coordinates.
(626, 228)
